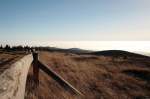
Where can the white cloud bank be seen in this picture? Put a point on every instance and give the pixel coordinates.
(138, 46)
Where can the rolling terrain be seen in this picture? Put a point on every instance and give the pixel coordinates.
(99, 75)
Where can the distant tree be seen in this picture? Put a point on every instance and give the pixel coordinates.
(13, 48)
(19, 48)
(26, 48)
(1, 47)
(7, 47)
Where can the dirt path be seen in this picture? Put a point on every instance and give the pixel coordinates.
(8, 58)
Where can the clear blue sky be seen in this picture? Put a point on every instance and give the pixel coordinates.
(75, 20)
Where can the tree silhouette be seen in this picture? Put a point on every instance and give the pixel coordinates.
(7, 48)
(1, 47)
(26, 48)
(17, 48)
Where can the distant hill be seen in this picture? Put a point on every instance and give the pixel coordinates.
(71, 50)
(144, 53)
(118, 53)
(78, 50)
(115, 53)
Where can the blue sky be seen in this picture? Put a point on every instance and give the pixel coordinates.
(74, 20)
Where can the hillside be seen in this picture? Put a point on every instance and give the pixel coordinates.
(118, 53)
(97, 76)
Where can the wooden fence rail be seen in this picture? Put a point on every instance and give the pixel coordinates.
(37, 64)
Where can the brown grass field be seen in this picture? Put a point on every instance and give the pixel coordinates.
(96, 77)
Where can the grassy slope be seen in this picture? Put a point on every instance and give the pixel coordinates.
(97, 77)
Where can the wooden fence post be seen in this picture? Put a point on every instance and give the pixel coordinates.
(35, 67)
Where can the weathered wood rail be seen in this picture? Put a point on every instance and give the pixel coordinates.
(13, 80)
(37, 64)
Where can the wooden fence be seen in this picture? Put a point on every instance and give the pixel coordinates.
(38, 65)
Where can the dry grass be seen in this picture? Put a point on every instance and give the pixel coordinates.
(97, 77)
